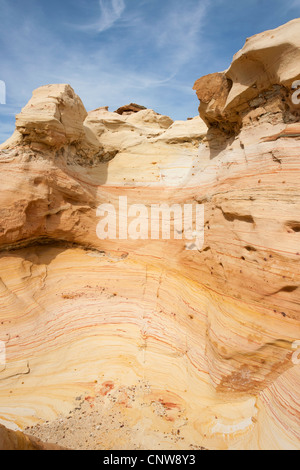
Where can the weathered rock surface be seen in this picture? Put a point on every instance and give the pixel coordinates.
(16, 440)
(260, 77)
(130, 109)
(198, 345)
(54, 119)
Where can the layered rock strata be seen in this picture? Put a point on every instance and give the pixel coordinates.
(198, 344)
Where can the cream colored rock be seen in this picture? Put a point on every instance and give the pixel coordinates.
(189, 349)
(53, 116)
(150, 119)
(112, 130)
(256, 67)
(117, 132)
(269, 62)
(184, 131)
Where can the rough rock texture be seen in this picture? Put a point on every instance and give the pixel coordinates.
(16, 440)
(130, 109)
(54, 119)
(188, 349)
(260, 77)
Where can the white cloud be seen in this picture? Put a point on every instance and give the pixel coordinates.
(110, 12)
(100, 72)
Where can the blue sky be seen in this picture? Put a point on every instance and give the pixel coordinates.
(113, 52)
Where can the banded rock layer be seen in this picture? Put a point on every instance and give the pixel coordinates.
(192, 347)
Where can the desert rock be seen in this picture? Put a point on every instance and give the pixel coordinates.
(188, 348)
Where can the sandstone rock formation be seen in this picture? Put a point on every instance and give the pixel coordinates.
(188, 348)
(16, 440)
(54, 119)
(130, 109)
(260, 77)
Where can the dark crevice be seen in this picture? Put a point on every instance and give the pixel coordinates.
(294, 226)
(288, 289)
(250, 248)
(46, 241)
(231, 217)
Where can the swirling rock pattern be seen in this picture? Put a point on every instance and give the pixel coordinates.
(205, 339)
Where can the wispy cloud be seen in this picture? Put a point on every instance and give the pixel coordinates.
(295, 4)
(139, 63)
(147, 51)
(110, 12)
(178, 32)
